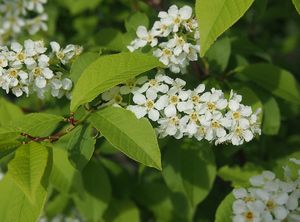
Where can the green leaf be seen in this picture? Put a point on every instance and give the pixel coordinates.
(56, 205)
(239, 176)
(37, 124)
(180, 162)
(8, 112)
(271, 122)
(28, 167)
(123, 183)
(136, 20)
(297, 5)
(122, 211)
(216, 16)
(93, 201)
(8, 146)
(134, 137)
(108, 71)
(224, 211)
(64, 177)
(14, 205)
(81, 146)
(80, 65)
(218, 55)
(78, 6)
(278, 81)
(165, 205)
(7, 133)
(113, 39)
(249, 97)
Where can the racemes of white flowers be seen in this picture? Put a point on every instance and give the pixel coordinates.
(32, 67)
(174, 38)
(175, 111)
(269, 199)
(21, 15)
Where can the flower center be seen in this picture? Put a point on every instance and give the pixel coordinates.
(238, 131)
(149, 38)
(177, 20)
(194, 116)
(249, 216)
(149, 104)
(118, 99)
(180, 41)
(37, 71)
(195, 99)
(152, 82)
(248, 199)
(211, 106)
(174, 120)
(21, 56)
(215, 124)
(60, 55)
(167, 52)
(201, 130)
(13, 73)
(236, 115)
(130, 84)
(271, 205)
(174, 99)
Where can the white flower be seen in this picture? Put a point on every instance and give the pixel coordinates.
(144, 37)
(154, 86)
(132, 85)
(66, 54)
(212, 101)
(216, 126)
(146, 106)
(38, 23)
(179, 45)
(112, 96)
(35, 5)
(278, 199)
(171, 126)
(174, 37)
(162, 29)
(26, 68)
(176, 16)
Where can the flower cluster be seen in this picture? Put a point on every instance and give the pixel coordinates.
(269, 199)
(177, 112)
(29, 68)
(19, 15)
(175, 38)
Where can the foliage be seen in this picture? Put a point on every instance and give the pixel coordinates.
(91, 158)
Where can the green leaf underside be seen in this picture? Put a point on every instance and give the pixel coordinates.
(216, 16)
(14, 204)
(271, 124)
(8, 112)
(239, 176)
(80, 64)
(64, 176)
(134, 137)
(108, 71)
(81, 146)
(94, 200)
(224, 211)
(179, 173)
(28, 167)
(278, 81)
(37, 124)
(297, 5)
(7, 133)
